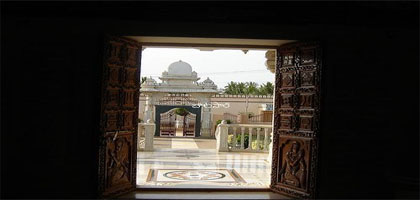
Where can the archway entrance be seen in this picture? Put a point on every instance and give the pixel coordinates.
(177, 122)
(184, 119)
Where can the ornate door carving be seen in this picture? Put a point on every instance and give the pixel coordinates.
(119, 113)
(296, 119)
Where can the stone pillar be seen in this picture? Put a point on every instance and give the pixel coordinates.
(270, 148)
(148, 110)
(149, 132)
(140, 135)
(206, 118)
(243, 118)
(222, 137)
(151, 100)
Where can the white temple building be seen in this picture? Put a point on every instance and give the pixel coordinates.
(180, 87)
(179, 78)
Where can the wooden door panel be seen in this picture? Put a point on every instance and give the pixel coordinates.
(296, 120)
(297, 177)
(113, 51)
(111, 119)
(112, 98)
(130, 78)
(287, 120)
(288, 80)
(129, 98)
(128, 120)
(118, 162)
(119, 113)
(307, 78)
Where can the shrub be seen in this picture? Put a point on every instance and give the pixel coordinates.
(246, 141)
(181, 111)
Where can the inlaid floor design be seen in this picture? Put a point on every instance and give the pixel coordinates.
(194, 175)
(195, 163)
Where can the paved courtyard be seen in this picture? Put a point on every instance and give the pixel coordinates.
(195, 163)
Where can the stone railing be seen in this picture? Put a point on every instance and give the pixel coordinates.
(243, 137)
(146, 132)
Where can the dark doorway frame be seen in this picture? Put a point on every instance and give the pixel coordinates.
(237, 47)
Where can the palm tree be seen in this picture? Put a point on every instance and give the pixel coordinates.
(270, 88)
(251, 88)
(266, 89)
(241, 88)
(230, 88)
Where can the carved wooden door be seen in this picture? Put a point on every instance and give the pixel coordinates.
(119, 113)
(296, 119)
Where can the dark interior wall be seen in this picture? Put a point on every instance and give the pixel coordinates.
(370, 118)
(50, 80)
(51, 72)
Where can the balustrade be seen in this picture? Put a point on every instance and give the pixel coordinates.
(251, 138)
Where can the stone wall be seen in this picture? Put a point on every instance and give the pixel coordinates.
(236, 103)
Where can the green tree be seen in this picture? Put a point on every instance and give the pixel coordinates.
(251, 88)
(240, 88)
(266, 89)
(231, 88)
(143, 79)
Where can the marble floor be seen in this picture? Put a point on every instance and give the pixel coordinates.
(203, 195)
(195, 163)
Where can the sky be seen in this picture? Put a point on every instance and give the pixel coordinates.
(221, 66)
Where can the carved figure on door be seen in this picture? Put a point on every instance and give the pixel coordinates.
(118, 163)
(293, 171)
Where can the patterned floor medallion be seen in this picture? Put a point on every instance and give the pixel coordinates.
(194, 175)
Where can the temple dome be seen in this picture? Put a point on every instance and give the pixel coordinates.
(179, 68)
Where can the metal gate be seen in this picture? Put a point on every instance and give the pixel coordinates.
(189, 125)
(167, 124)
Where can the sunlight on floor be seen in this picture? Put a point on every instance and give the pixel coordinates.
(195, 163)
